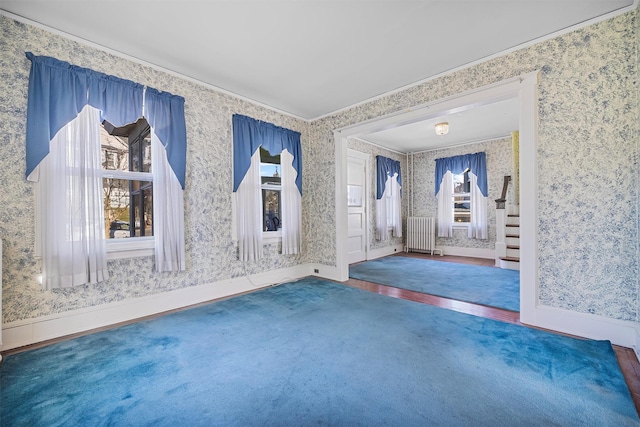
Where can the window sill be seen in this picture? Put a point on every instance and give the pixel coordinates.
(130, 247)
(270, 237)
(460, 226)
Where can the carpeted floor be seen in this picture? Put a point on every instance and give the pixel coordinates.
(317, 353)
(490, 286)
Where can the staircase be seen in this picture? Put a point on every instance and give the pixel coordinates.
(512, 239)
(507, 231)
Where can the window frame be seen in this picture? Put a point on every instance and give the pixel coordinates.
(467, 198)
(269, 237)
(133, 246)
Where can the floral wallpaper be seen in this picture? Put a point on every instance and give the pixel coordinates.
(211, 253)
(587, 173)
(587, 176)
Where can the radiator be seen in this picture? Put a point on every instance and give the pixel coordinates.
(421, 234)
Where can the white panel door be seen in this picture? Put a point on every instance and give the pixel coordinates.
(357, 206)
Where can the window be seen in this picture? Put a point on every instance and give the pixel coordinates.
(388, 198)
(461, 198)
(267, 183)
(271, 182)
(76, 171)
(461, 189)
(127, 180)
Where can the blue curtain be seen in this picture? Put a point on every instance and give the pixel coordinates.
(249, 134)
(386, 167)
(165, 114)
(58, 91)
(476, 163)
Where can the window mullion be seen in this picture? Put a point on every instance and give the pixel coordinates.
(128, 175)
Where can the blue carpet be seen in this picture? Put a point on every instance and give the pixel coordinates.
(495, 287)
(317, 353)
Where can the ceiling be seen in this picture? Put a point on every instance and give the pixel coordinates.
(482, 123)
(310, 58)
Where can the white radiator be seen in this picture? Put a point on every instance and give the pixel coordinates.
(421, 234)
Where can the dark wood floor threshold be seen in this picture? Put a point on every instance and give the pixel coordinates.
(627, 359)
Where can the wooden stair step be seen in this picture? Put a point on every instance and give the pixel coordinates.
(512, 225)
(513, 247)
(510, 258)
(513, 216)
(512, 235)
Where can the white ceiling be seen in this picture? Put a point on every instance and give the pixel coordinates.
(482, 123)
(309, 58)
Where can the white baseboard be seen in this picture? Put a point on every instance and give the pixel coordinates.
(326, 272)
(619, 332)
(32, 331)
(382, 252)
(469, 252)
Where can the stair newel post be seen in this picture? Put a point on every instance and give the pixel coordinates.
(501, 223)
(501, 238)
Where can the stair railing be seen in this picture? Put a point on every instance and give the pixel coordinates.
(501, 221)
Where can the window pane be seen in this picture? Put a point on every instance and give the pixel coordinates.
(142, 208)
(269, 167)
(115, 151)
(270, 173)
(126, 203)
(271, 210)
(116, 207)
(461, 183)
(461, 208)
(135, 157)
(146, 153)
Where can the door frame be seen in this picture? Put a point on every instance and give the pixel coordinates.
(524, 88)
(365, 196)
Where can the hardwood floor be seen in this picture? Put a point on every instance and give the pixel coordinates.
(627, 359)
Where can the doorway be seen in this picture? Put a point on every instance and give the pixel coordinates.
(522, 88)
(357, 200)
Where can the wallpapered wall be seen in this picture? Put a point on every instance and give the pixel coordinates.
(499, 164)
(374, 151)
(586, 188)
(211, 253)
(587, 161)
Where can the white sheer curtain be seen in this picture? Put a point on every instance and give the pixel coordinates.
(396, 206)
(249, 212)
(445, 211)
(389, 210)
(382, 229)
(291, 206)
(478, 223)
(168, 211)
(71, 211)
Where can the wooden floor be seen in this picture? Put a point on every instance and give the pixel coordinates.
(626, 357)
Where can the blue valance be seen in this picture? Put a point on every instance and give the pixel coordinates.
(58, 91)
(386, 167)
(165, 114)
(249, 134)
(476, 163)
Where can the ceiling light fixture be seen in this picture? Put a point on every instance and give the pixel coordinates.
(442, 128)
